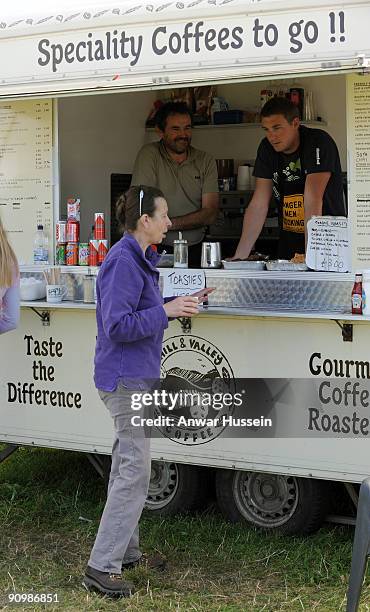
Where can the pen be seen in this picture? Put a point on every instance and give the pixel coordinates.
(205, 303)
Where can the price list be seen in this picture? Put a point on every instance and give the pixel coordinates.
(358, 138)
(26, 186)
(328, 244)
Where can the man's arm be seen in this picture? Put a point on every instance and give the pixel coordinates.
(205, 216)
(210, 199)
(254, 217)
(313, 195)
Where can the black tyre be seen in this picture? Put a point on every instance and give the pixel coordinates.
(286, 504)
(175, 488)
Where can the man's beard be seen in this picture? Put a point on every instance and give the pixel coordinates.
(179, 146)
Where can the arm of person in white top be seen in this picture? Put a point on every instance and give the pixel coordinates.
(314, 195)
(9, 309)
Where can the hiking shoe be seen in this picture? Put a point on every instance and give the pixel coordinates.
(109, 584)
(151, 562)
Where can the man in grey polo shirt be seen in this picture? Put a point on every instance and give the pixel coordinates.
(186, 176)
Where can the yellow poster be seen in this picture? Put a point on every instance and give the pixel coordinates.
(293, 213)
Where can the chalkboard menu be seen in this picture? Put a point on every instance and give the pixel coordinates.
(26, 186)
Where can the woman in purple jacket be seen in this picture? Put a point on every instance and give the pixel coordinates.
(9, 285)
(131, 319)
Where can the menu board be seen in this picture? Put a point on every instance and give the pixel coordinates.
(328, 244)
(358, 145)
(26, 187)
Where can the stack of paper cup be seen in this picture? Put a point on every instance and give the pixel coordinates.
(244, 178)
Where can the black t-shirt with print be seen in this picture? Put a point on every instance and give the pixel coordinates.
(317, 153)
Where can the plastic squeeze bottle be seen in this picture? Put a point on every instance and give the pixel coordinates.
(357, 295)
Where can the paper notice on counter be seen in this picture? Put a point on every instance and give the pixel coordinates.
(328, 244)
(182, 281)
(26, 186)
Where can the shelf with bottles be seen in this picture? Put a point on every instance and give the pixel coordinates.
(223, 126)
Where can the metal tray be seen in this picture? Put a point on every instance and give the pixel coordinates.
(166, 261)
(244, 265)
(286, 266)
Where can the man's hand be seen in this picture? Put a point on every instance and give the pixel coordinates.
(205, 216)
(184, 306)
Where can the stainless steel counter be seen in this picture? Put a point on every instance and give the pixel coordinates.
(247, 293)
(319, 292)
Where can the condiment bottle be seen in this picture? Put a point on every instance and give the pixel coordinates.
(180, 252)
(357, 295)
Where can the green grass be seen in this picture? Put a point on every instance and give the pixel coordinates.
(50, 503)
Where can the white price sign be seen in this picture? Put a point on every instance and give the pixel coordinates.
(328, 244)
(182, 282)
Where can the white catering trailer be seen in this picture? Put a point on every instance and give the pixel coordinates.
(290, 336)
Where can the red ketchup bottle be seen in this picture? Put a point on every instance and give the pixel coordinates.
(357, 295)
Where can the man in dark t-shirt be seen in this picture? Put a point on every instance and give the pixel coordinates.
(300, 167)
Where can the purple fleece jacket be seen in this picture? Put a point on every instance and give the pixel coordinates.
(130, 317)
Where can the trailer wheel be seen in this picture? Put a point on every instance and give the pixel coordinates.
(174, 488)
(286, 504)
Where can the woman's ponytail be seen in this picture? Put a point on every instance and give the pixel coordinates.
(121, 212)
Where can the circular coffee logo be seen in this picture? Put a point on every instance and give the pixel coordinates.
(198, 378)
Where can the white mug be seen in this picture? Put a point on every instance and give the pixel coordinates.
(244, 178)
(55, 293)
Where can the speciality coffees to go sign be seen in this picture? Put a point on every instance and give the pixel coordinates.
(193, 38)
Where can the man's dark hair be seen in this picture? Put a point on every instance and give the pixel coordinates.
(280, 106)
(168, 109)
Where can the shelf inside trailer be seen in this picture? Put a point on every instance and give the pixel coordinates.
(213, 126)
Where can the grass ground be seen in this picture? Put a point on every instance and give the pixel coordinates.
(50, 503)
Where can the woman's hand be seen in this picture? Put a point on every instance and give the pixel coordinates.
(184, 306)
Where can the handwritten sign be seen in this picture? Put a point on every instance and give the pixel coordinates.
(328, 244)
(182, 282)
